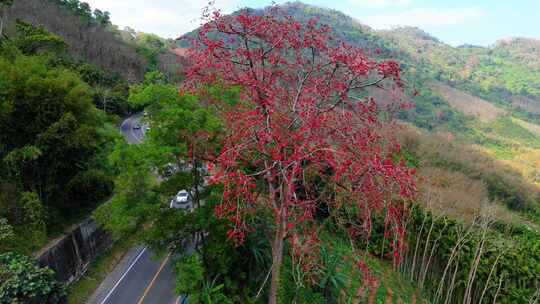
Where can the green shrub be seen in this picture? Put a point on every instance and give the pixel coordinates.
(23, 281)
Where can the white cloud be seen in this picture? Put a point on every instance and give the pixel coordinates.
(380, 3)
(167, 18)
(423, 17)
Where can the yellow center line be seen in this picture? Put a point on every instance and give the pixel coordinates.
(153, 280)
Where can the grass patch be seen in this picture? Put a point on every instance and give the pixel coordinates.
(468, 104)
(508, 128)
(393, 286)
(81, 291)
(506, 137)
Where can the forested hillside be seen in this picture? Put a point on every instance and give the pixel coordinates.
(52, 145)
(92, 37)
(56, 129)
(508, 67)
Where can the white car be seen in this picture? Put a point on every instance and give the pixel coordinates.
(182, 196)
(182, 200)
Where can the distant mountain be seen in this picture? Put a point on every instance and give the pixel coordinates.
(506, 73)
(469, 46)
(510, 67)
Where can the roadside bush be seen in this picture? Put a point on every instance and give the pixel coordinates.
(23, 281)
(6, 233)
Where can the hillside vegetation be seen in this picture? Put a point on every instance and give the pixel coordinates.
(468, 104)
(92, 37)
(61, 97)
(481, 158)
(509, 67)
(300, 193)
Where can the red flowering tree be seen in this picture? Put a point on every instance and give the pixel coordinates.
(302, 112)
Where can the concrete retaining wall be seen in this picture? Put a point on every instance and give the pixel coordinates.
(70, 256)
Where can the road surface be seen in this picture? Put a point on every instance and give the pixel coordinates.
(139, 278)
(132, 136)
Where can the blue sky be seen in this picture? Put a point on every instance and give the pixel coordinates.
(480, 22)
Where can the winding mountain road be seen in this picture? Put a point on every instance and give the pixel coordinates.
(132, 136)
(139, 278)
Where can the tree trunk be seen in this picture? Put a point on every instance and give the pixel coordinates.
(277, 259)
(2, 18)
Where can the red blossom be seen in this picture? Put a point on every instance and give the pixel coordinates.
(297, 116)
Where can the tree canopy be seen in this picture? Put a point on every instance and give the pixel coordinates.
(298, 118)
(23, 281)
(52, 137)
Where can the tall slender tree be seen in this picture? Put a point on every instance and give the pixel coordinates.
(302, 111)
(3, 7)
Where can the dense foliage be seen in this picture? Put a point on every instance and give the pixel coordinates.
(52, 137)
(140, 200)
(23, 281)
(90, 36)
(83, 10)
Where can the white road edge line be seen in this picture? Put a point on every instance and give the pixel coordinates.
(123, 276)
